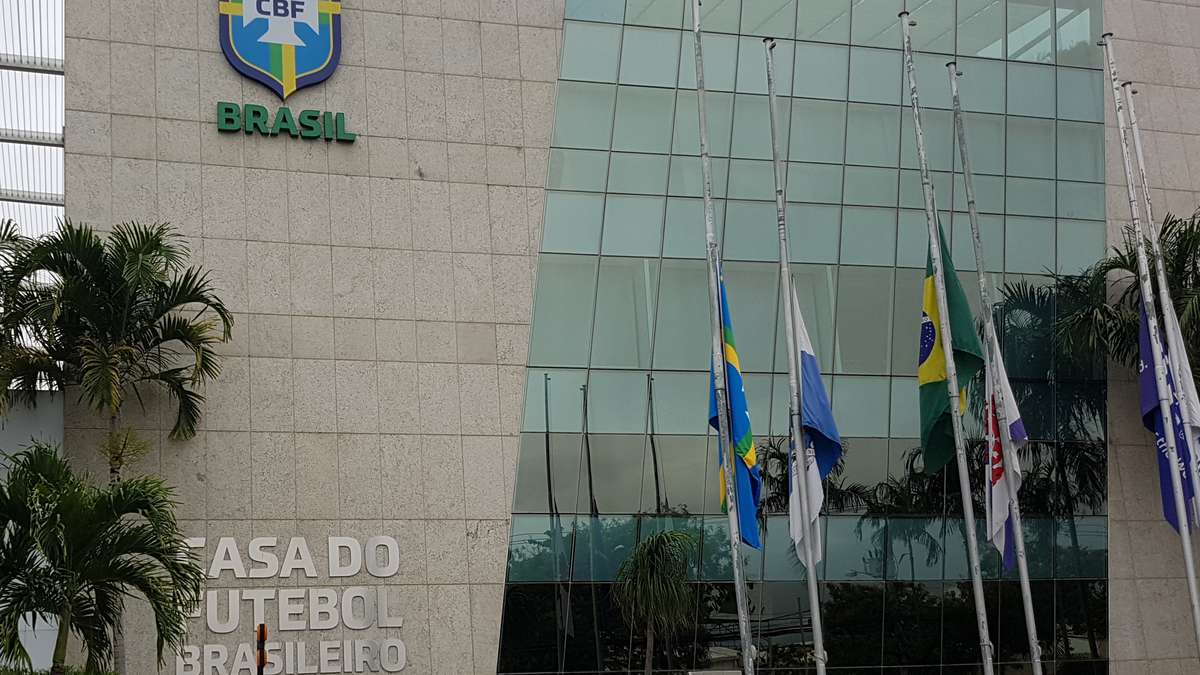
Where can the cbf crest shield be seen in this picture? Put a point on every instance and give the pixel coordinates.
(284, 44)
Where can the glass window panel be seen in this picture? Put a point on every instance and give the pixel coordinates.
(1082, 547)
(617, 405)
(601, 544)
(818, 131)
(644, 119)
(1029, 244)
(1081, 94)
(868, 236)
(720, 17)
(861, 404)
(981, 28)
(684, 237)
(981, 86)
(991, 231)
(874, 137)
(874, 23)
(752, 290)
(1081, 200)
(665, 13)
(1039, 548)
(577, 170)
(938, 126)
(864, 304)
(912, 242)
(720, 58)
(525, 648)
(587, 10)
(859, 640)
(931, 69)
(814, 182)
(752, 233)
(650, 56)
(1030, 145)
(823, 20)
(687, 180)
(532, 493)
(752, 126)
(905, 407)
(989, 193)
(1080, 244)
(906, 329)
(914, 548)
(750, 179)
(813, 232)
(821, 70)
(561, 335)
(870, 186)
(590, 51)
(638, 174)
(1031, 90)
(584, 115)
(625, 301)
(854, 549)
(985, 143)
(572, 222)
(865, 463)
(683, 317)
(1013, 643)
(681, 461)
(956, 567)
(1028, 197)
(633, 225)
(769, 18)
(934, 31)
(720, 123)
(782, 563)
(539, 548)
(912, 196)
(565, 403)
(1082, 612)
(1031, 30)
(1078, 23)
(752, 66)
(677, 397)
(1081, 151)
(875, 75)
(814, 286)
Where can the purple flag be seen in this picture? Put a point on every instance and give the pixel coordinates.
(1152, 420)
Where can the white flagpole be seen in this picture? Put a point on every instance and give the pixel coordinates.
(996, 393)
(801, 452)
(1175, 350)
(952, 391)
(718, 362)
(1160, 368)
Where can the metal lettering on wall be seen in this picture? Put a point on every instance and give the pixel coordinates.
(236, 611)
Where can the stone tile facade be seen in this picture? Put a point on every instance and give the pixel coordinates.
(382, 290)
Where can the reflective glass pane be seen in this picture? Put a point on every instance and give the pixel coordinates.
(769, 18)
(932, 81)
(1081, 200)
(617, 405)
(752, 66)
(1029, 244)
(782, 563)
(868, 236)
(875, 134)
(625, 302)
(905, 420)
(1078, 23)
(1081, 94)
(1029, 197)
(1081, 151)
(577, 170)
(752, 231)
(1082, 549)
(991, 231)
(864, 304)
(865, 463)
(751, 179)
(1083, 624)
(989, 193)
(956, 566)
(679, 481)
(644, 119)
(815, 286)
(638, 174)
(912, 196)
(813, 232)
(686, 179)
(814, 183)
(875, 75)
(818, 130)
(934, 31)
(559, 396)
(561, 335)
(752, 126)
(533, 492)
(906, 330)
(915, 549)
(539, 548)
(985, 143)
(981, 87)
(684, 237)
(1080, 244)
(874, 23)
(665, 13)
(633, 225)
(1030, 144)
(823, 20)
(650, 56)
(938, 126)
(683, 316)
(601, 542)
(572, 223)
(821, 70)
(720, 17)
(981, 28)
(854, 549)
(1031, 30)
(720, 59)
(677, 397)
(583, 115)
(912, 243)
(590, 51)
(870, 186)
(720, 123)
(751, 288)
(1031, 90)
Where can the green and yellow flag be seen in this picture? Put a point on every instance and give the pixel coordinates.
(937, 432)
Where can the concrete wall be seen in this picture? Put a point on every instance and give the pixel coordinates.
(1150, 625)
(382, 290)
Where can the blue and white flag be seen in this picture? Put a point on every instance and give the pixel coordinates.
(820, 435)
(1185, 386)
(1152, 420)
(1002, 471)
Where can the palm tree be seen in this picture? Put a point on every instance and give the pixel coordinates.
(114, 316)
(652, 588)
(73, 551)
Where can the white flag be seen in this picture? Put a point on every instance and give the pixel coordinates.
(1185, 384)
(1002, 470)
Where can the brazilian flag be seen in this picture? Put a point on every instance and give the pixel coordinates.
(937, 432)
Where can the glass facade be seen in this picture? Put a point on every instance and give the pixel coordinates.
(615, 443)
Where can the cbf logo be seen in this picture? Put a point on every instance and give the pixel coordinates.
(284, 44)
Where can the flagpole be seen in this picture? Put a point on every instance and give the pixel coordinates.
(952, 389)
(996, 394)
(1175, 349)
(720, 389)
(1160, 369)
(800, 453)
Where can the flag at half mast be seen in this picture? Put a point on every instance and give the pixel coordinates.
(937, 430)
(1002, 470)
(746, 472)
